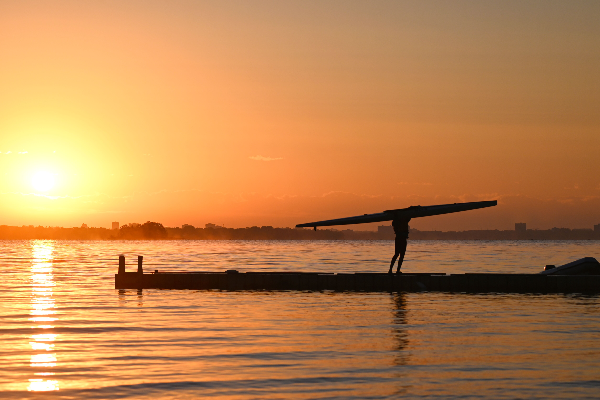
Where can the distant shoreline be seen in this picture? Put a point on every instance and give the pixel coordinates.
(155, 231)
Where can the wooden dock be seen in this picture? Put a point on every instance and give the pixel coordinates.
(357, 282)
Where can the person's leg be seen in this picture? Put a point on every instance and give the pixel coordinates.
(392, 263)
(402, 253)
(397, 251)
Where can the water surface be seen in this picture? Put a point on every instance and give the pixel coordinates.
(67, 333)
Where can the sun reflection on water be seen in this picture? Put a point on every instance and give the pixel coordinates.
(41, 385)
(42, 315)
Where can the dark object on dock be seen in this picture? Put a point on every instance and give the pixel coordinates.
(583, 266)
(544, 282)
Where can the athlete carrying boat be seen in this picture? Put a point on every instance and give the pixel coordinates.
(401, 231)
(400, 219)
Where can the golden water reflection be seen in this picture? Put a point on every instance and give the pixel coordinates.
(42, 314)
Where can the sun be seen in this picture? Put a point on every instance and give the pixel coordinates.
(42, 181)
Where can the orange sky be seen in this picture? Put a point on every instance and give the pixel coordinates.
(278, 113)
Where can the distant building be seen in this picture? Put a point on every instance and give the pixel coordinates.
(84, 226)
(213, 226)
(597, 228)
(521, 227)
(115, 225)
(385, 230)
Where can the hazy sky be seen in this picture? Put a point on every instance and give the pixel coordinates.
(280, 112)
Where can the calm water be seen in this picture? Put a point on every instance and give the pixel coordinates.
(67, 333)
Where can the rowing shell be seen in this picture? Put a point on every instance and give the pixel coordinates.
(402, 213)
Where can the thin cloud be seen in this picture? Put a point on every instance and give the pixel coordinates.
(22, 152)
(262, 158)
(416, 183)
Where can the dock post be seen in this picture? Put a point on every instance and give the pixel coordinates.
(121, 264)
(140, 260)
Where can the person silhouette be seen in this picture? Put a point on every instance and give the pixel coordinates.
(401, 231)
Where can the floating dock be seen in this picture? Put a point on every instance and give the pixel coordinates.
(581, 276)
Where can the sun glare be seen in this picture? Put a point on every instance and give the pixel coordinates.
(42, 181)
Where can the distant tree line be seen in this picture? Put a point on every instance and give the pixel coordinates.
(254, 233)
(147, 230)
(156, 231)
